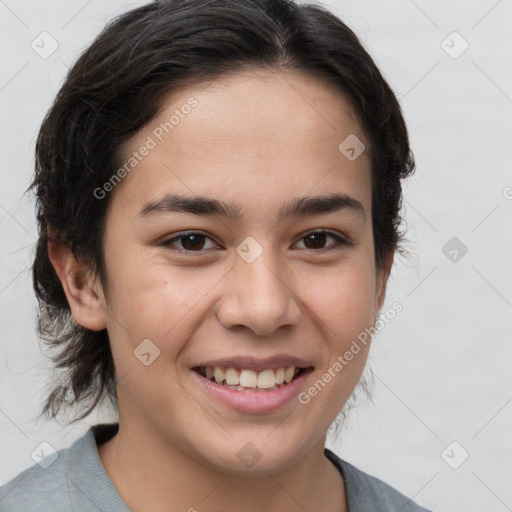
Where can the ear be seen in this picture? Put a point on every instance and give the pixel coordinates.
(382, 274)
(85, 295)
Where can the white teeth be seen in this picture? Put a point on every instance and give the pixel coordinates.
(248, 379)
(247, 390)
(288, 374)
(232, 377)
(218, 374)
(266, 379)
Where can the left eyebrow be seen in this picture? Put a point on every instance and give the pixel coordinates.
(296, 207)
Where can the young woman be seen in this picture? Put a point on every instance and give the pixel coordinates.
(218, 189)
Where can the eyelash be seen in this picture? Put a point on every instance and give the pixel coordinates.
(340, 242)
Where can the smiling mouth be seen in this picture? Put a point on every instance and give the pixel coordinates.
(251, 381)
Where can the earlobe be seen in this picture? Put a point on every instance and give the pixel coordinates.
(84, 293)
(381, 282)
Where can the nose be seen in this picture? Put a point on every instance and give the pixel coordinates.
(259, 297)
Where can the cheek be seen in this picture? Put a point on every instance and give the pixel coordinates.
(157, 301)
(342, 298)
(343, 305)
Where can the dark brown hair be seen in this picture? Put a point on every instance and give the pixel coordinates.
(116, 87)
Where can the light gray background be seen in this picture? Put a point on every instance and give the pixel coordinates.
(443, 364)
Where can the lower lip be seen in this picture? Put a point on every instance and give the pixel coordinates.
(253, 402)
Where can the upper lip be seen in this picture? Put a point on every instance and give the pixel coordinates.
(255, 364)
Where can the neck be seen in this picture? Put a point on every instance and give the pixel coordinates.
(150, 474)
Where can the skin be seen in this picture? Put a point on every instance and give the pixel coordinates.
(259, 138)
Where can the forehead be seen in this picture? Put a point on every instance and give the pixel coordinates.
(260, 134)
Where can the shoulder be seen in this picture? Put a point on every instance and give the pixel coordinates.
(369, 494)
(69, 479)
(43, 486)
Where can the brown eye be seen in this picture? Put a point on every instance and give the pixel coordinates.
(316, 241)
(188, 242)
(192, 242)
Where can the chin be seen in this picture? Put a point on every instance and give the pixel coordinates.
(254, 454)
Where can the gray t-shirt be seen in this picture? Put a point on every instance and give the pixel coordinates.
(77, 481)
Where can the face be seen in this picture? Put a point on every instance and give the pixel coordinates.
(249, 278)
